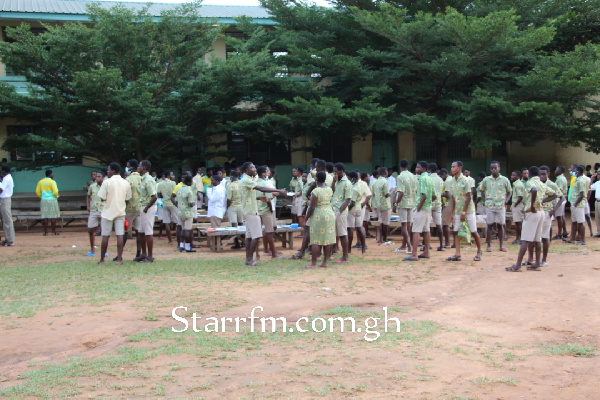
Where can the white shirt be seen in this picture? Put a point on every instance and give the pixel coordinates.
(391, 182)
(596, 186)
(217, 201)
(7, 185)
(115, 191)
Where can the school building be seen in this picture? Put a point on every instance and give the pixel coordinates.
(382, 149)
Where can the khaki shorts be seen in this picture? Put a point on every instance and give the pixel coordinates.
(546, 226)
(447, 218)
(253, 226)
(235, 215)
(94, 219)
(215, 222)
(354, 219)
(578, 215)
(471, 220)
(366, 214)
(147, 221)
(421, 221)
(518, 213)
(561, 210)
(186, 223)
(161, 213)
(481, 209)
(297, 206)
(384, 216)
(170, 214)
(588, 211)
(437, 217)
(341, 224)
(268, 222)
(495, 216)
(118, 223)
(532, 226)
(134, 221)
(405, 215)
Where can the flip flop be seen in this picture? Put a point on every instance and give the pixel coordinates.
(422, 256)
(503, 249)
(309, 267)
(409, 258)
(279, 258)
(340, 261)
(297, 257)
(513, 268)
(478, 256)
(454, 258)
(90, 254)
(253, 264)
(534, 268)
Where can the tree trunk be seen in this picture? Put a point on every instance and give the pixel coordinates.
(441, 153)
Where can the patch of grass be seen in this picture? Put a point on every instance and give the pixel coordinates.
(570, 349)
(485, 380)
(509, 356)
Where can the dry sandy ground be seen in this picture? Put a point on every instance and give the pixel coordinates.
(490, 325)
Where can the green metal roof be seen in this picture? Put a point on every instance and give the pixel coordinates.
(76, 10)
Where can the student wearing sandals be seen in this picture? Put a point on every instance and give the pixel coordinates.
(578, 201)
(463, 210)
(322, 217)
(531, 235)
(550, 209)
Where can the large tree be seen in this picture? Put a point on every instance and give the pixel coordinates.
(487, 70)
(128, 84)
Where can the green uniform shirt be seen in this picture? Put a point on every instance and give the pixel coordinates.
(549, 205)
(495, 190)
(459, 189)
(264, 208)
(249, 204)
(293, 184)
(438, 185)
(406, 184)
(343, 191)
(298, 187)
(579, 186)
(518, 191)
(96, 204)
(165, 188)
(148, 189)
(309, 177)
(562, 184)
(425, 188)
(135, 181)
(185, 202)
(329, 179)
(234, 194)
(447, 188)
(357, 194)
(380, 189)
(304, 193)
(542, 191)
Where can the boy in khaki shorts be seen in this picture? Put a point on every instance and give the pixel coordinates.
(422, 212)
(147, 213)
(186, 209)
(133, 205)
(355, 218)
(94, 207)
(248, 186)
(339, 202)
(578, 202)
(406, 193)
(550, 208)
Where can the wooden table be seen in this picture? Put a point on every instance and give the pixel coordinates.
(36, 216)
(283, 234)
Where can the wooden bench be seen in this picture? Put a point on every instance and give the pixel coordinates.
(36, 217)
(283, 234)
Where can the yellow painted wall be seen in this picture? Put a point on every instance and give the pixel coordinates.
(406, 146)
(301, 157)
(362, 151)
(548, 153)
(569, 155)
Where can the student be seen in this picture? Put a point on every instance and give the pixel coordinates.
(374, 204)
(310, 177)
(133, 205)
(436, 205)
(531, 236)
(422, 212)
(366, 204)
(306, 236)
(495, 194)
(524, 176)
(199, 181)
(186, 209)
(6, 191)
(340, 201)
(588, 211)
(384, 207)
(405, 201)
(114, 192)
(248, 186)
(322, 217)
(160, 206)
(217, 200)
(293, 181)
(562, 184)
(596, 188)
(329, 179)
(517, 206)
(549, 209)
(355, 219)
(170, 211)
(147, 212)
(94, 207)
(266, 212)
(47, 191)
(463, 210)
(297, 199)
(578, 200)
(234, 204)
(179, 229)
(447, 218)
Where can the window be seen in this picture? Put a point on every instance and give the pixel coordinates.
(230, 50)
(426, 149)
(458, 148)
(335, 148)
(33, 154)
(277, 151)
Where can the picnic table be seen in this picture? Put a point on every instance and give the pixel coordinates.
(284, 234)
(36, 217)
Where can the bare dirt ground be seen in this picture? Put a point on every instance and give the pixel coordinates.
(476, 330)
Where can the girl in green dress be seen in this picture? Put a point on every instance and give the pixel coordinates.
(322, 221)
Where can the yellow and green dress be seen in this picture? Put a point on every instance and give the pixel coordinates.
(322, 221)
(47, 191)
